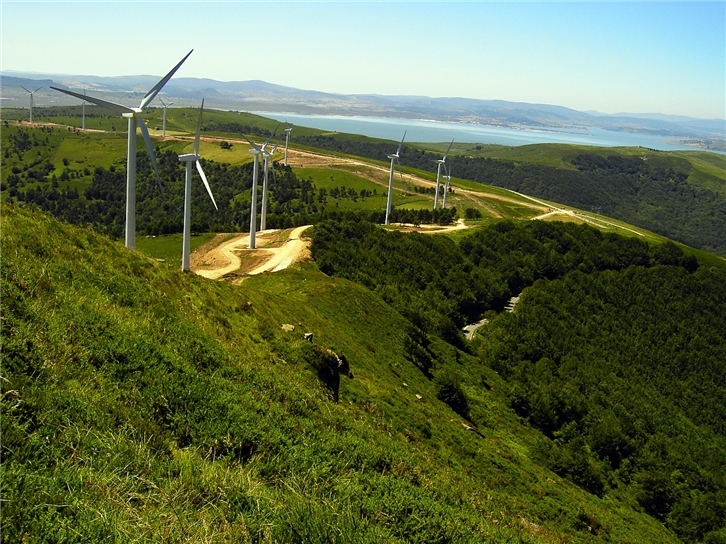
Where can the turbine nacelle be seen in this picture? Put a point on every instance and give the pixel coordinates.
(189, 157)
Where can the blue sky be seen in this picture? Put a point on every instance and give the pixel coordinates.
(665, 57)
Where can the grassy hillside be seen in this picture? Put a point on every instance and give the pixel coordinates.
(143, 404)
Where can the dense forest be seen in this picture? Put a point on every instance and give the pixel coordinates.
(652, 194)
(293, 201)
(615, 351)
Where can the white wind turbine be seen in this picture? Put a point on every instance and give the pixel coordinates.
(441, 162)
(394, 158)
(31, 93)
(190, 158)
(288, 130)
(134, 117)
(447, 177)
(163, 117)
(256, 151)
(266, 155)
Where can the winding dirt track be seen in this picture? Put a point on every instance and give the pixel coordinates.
(234, 256)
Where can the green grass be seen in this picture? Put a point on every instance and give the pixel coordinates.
(169, 247)
(90, 151)
(144, 404)
(330, 178)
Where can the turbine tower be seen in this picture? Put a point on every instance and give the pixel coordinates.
(256, 151)
(288, 130)
(83, 112)
(134, 118)
(31, 93)
(163, 117)
(394, 158)
(266, 155)
(190, 158)
(441, 162)
(447, 177)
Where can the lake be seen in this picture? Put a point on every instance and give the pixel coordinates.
(427, 131)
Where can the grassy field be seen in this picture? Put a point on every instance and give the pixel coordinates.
(169, 247)
(334, 178)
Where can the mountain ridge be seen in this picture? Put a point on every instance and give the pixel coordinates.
(256, 94)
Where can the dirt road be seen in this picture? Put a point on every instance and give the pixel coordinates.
(275, 251)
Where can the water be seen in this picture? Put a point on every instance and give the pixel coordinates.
(427, 131)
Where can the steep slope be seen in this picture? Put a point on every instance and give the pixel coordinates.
(143, 404)
(615, 350)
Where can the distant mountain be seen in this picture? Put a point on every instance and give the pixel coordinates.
(260, 95)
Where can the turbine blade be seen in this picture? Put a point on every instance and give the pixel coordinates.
(36, 90)
(399, 169)
(400, 146)
(257, 147)
(449, 149)
(156, 88)
(150, 149)
(276, 144)
(446, 172)
(199, 130)
(26, 90)
(162, 102)
(117, 108)
(271, 136)
(206, 183)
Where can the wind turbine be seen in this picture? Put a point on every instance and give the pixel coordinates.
(447, 177)
(190, 158)
(266, 155)
(163, 117)
(288, 130)
(31, 93)
(134, 117)
(390, 179)
(441, 162)
(256, 151)
(263, 213)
